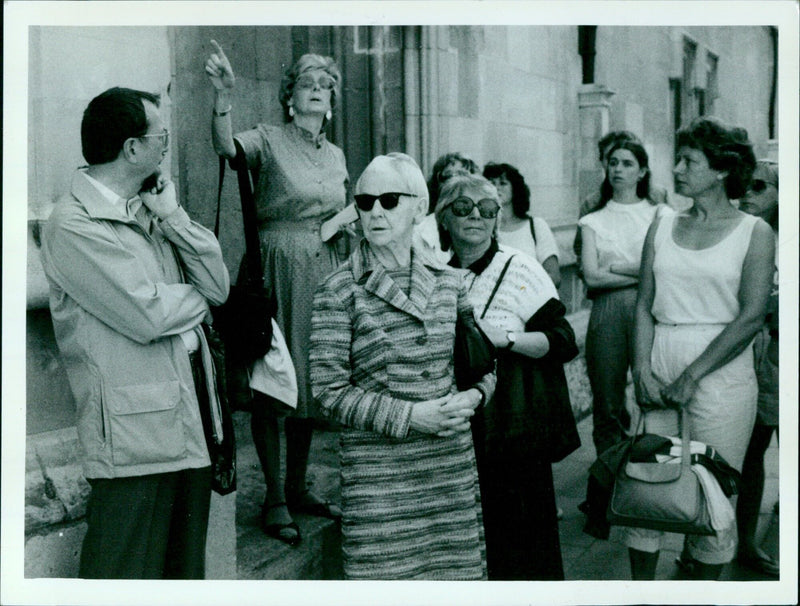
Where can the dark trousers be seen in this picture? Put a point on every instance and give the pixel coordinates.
(609, 354)
(147, 527)
(520, 522)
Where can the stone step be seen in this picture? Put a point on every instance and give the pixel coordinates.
(260, 557)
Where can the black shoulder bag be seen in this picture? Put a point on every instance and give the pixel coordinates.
(244, 321)
(473, 351)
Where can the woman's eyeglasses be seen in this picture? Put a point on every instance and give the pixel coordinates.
(487, 208)
(307, 82)
(758, 185)
(163, 135)
(388, 200)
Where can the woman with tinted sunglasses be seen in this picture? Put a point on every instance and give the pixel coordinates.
(518, 308)
(445, 167)
(761, 200)
(301, 183)
(381, 357)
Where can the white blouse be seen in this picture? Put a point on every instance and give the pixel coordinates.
(620, 230)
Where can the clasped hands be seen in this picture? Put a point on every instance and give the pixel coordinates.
(652, 393)
(445, 416)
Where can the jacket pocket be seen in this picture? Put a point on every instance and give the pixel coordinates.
(145, 423)
(92, 424)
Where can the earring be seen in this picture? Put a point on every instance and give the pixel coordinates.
(328, 115)
(291, 111)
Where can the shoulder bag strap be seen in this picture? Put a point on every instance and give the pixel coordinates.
(251, 241)
(219, 194)
(496, 286)
(533, 230)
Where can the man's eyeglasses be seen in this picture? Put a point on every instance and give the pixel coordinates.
(758, 185)
(487, 208)
(388, 200)
(307, 82)
(163, 135)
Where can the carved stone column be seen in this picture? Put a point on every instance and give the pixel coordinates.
(594, 102)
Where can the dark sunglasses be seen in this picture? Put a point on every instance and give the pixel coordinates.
(758, 185)
(388, 200)
(462, 207)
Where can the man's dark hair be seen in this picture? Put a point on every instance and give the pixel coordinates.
(112, 118)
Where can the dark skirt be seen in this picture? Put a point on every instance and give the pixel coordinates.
(520, 519)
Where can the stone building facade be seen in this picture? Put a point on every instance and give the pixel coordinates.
(538, 97)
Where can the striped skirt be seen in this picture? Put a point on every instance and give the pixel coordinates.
(410, 508)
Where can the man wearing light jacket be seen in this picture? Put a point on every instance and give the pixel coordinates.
(131, 280)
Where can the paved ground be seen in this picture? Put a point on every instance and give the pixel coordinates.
(585, 558)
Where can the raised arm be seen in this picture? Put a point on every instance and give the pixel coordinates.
(220, 73)
(754, 290)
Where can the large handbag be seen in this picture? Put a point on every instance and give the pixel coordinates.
(660, 496)
(537, 420)
(244, 321)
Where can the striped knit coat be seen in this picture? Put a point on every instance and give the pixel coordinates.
(409, 500)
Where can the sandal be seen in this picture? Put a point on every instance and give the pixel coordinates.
(760, 562)
(307, 502)
(276, 531)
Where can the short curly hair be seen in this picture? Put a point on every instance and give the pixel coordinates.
(520, 192)
(726, 148)
(308, 62)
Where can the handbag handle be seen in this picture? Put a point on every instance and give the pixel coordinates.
(686, 450)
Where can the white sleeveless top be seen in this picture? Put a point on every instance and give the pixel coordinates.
(620, 230)
(699, 286)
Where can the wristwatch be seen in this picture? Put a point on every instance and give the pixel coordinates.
(512, 338)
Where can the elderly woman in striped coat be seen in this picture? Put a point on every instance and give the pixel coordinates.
(381, 357)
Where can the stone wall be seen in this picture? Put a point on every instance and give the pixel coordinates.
(501, 93)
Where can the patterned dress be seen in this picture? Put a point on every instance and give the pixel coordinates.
(409, 499)
(302, 181)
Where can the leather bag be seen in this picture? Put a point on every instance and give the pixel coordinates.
(221, 449)
(473, 352)
(660, 496)
(244, 321)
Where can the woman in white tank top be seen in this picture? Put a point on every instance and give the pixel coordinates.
(706, 277)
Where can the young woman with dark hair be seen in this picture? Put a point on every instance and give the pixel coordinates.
(517, 227)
